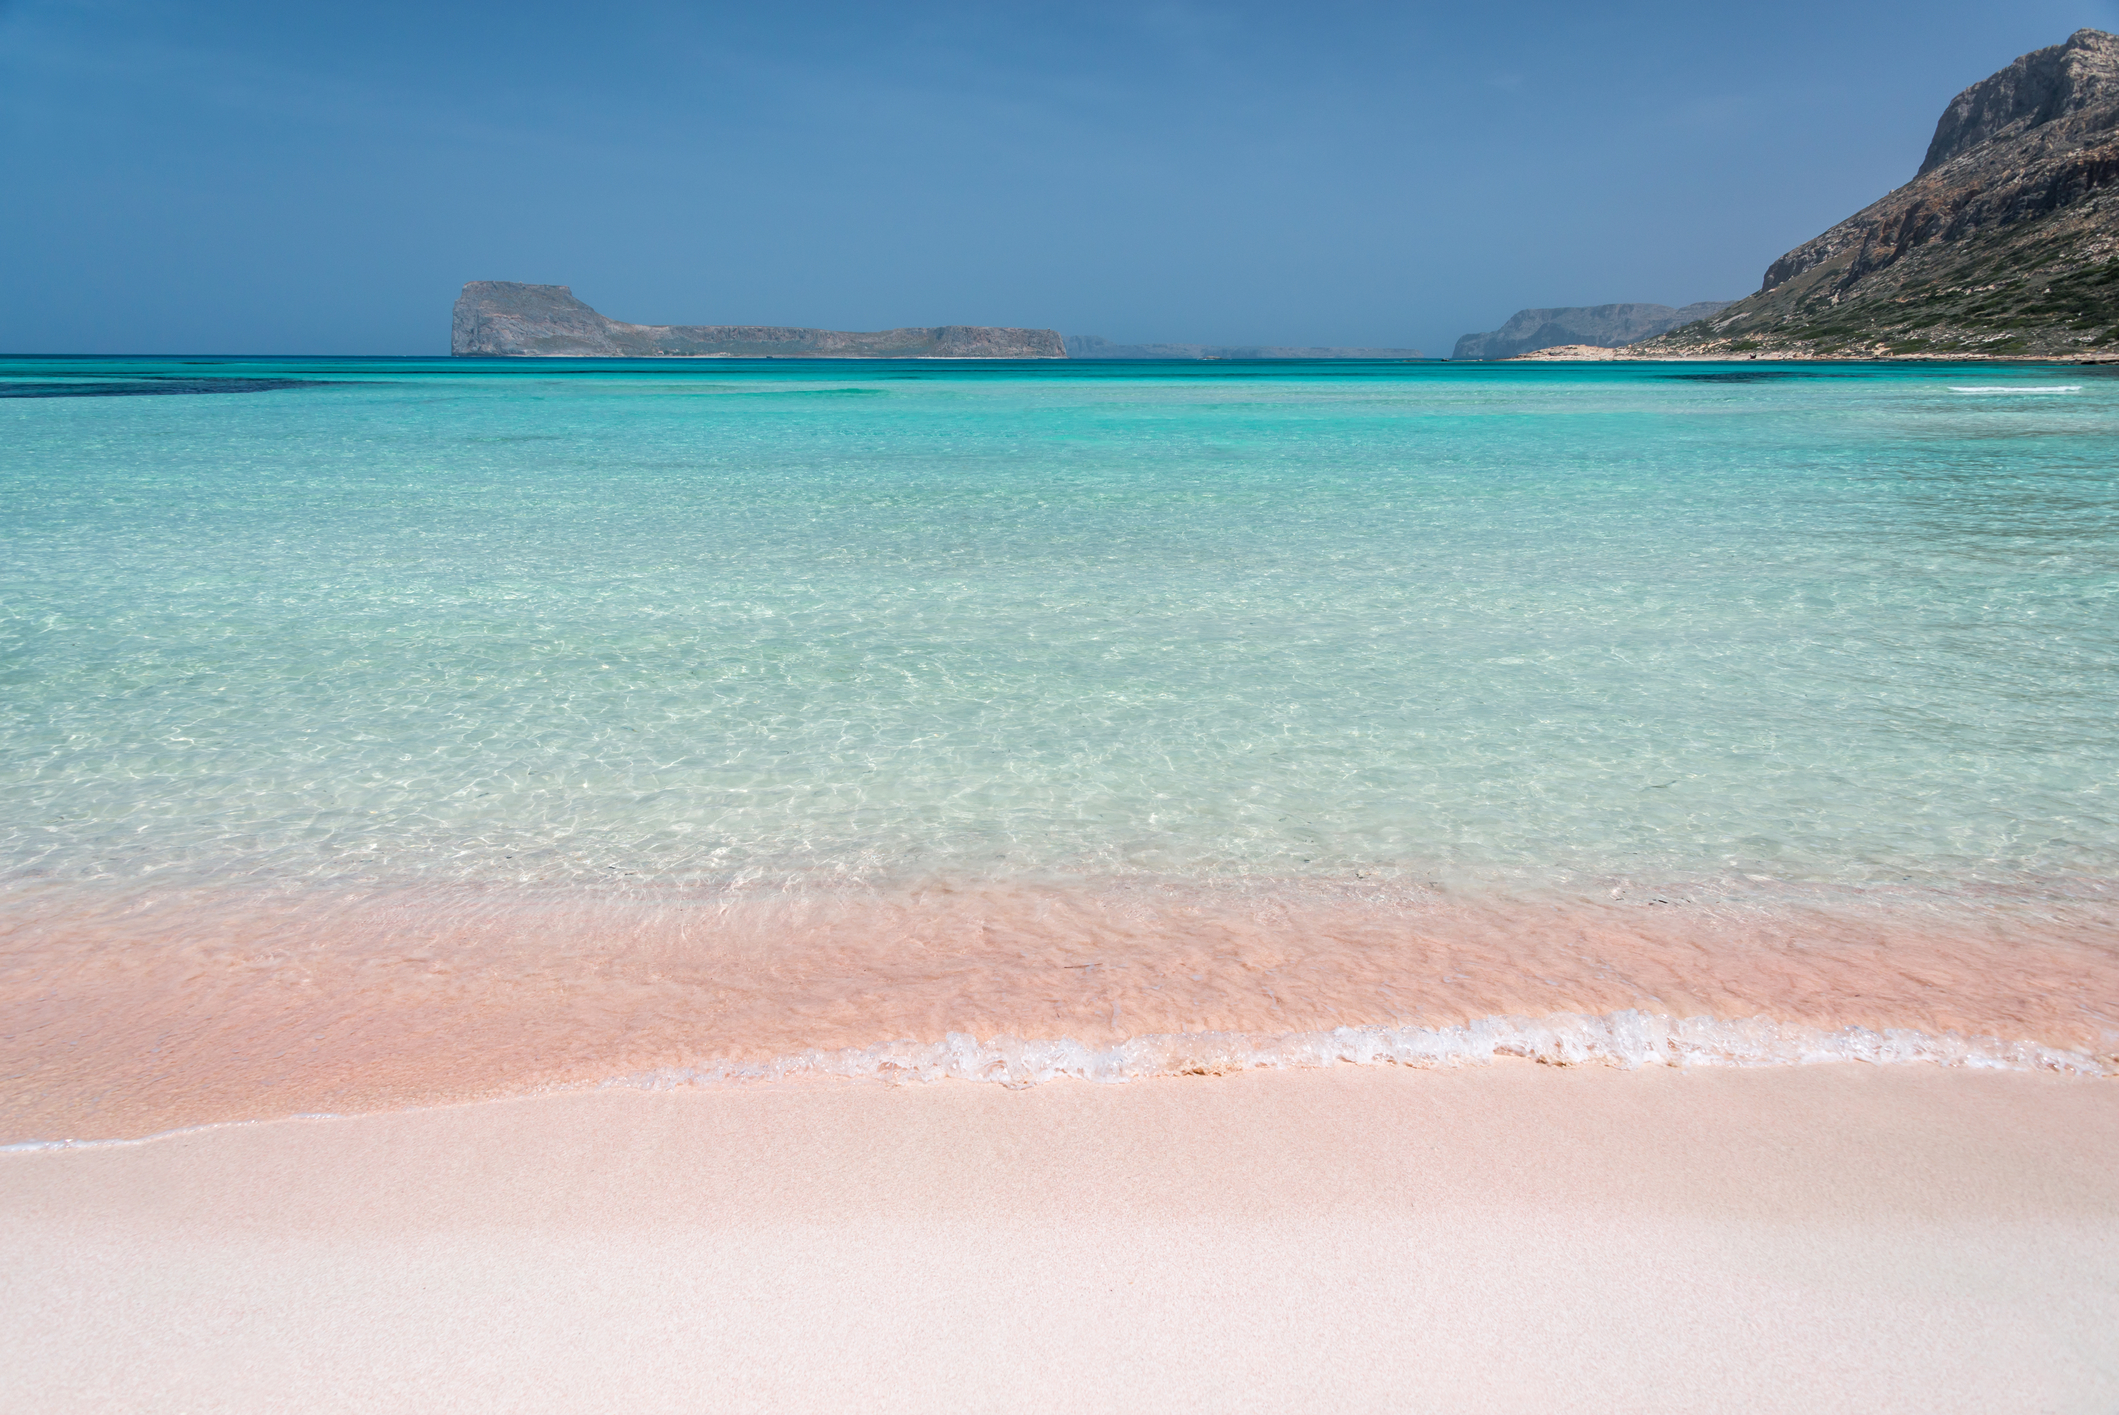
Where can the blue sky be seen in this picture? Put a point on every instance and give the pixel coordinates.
(271, 178)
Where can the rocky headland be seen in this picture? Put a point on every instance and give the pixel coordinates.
(1571, 352)
(1592, 326)
(503, 317)
(2001, 246)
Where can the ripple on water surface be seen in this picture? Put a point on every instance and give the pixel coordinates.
(473, 687)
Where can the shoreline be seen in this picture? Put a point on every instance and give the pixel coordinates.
(1622, 1042)
(213, 1005)
(1618, 355)
(1494, 1238)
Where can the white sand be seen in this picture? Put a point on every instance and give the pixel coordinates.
(1505, 1238)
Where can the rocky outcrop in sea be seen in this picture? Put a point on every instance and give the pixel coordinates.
(503, 317)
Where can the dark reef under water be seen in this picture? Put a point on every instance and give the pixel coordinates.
(133, 387)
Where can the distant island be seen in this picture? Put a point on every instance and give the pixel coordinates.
(508, 319)
(1603, 326)
(2001, 246)
(1089, 346)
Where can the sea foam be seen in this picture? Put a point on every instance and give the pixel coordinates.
(1627, 1039)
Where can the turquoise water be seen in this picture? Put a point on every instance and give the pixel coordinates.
(394, 732)
(710, 622)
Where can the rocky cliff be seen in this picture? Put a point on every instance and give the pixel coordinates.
(1605, 326)
(2000, 246)
(506, 318)
(1089, 346)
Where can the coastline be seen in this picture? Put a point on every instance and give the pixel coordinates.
(141, 1018)
(1491, 1238)
(1620, 356)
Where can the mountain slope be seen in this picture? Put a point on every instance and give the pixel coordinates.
(506, 318)
(2001, 245)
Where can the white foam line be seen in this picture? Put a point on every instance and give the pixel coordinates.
(1625, 1039)
(2020, 388)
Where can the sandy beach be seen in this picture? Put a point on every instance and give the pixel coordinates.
(1506, 1237)
(1011, 802)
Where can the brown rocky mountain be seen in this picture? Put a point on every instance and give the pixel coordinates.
(506, 318)
(2002, 245)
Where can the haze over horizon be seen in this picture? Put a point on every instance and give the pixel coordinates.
(247, 178)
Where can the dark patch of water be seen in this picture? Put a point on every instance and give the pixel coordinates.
(132, 387)
(1748, 376)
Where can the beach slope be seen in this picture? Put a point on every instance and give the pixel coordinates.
(1498, 1238)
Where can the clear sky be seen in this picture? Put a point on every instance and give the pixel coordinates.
(221, 176)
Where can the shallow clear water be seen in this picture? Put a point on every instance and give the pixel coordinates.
(695, 622)
(712, 626)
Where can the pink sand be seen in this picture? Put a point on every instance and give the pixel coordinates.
(126, 1017)
(1503, 1238)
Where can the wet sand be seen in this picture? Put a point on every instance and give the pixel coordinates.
(1500, 1238)
(141, 1016)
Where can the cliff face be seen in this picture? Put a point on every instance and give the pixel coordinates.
(1605, 326)
(2042, 86)
(1089, 346)
(2001, 245)
(506, 318)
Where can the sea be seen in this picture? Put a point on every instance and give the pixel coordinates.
(390, 732)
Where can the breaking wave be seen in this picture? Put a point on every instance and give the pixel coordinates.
(1626, 1039)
